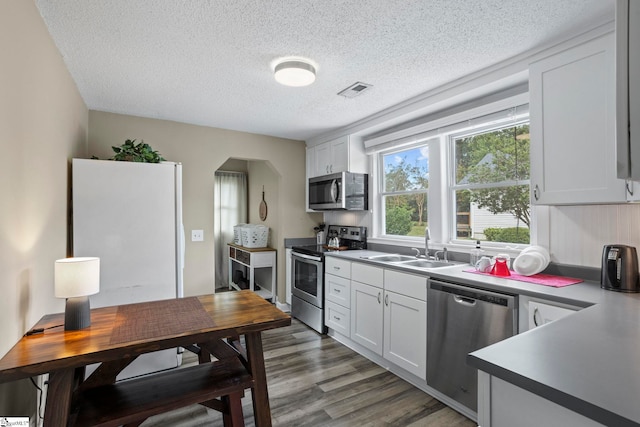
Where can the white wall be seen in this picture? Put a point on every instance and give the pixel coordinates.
(202, 150)
(43, 124)
(577, 234)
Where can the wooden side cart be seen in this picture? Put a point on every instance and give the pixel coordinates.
(258, 268)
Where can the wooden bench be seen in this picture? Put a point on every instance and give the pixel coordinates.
(218, 385)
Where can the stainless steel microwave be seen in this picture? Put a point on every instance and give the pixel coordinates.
(339, 191)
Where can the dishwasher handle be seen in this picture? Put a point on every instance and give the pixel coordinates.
(465, 294)
(470, 302)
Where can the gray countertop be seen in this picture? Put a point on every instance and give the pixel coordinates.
(588, 362)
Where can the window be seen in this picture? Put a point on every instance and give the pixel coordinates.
(490, 188)
(466, 177)
(405, 184)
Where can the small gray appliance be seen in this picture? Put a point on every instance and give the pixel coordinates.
(620, 268)
(339, 191)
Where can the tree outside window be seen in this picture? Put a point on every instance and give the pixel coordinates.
(406, 183)
(491, 188)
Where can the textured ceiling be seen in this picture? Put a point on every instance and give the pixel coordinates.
(210, 62)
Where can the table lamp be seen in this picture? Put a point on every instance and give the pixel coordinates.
(75, 280)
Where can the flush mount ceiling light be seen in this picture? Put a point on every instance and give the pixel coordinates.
(295, 73)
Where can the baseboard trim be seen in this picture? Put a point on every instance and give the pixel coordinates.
(284, 307)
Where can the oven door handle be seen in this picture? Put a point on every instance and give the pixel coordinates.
(309, 257)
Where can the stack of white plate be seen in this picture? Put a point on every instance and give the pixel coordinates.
(531, 260)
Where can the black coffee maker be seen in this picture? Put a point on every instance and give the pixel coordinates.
(620, 268)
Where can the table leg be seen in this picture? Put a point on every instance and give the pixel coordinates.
(259, 393)
(59, 392)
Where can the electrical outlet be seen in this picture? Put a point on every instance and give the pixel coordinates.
(197, 235)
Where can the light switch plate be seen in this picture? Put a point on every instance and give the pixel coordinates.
(197, 235)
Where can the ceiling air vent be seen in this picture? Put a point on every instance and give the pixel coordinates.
(354, 90)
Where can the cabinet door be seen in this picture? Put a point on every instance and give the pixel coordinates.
(366, 316)
(511, 405)
(540, 314)
(323, 159)
(405, 333)
(339, 155)
(572, 113)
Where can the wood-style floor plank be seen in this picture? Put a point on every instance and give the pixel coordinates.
(316, 381)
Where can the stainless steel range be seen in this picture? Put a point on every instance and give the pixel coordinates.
(307, 264)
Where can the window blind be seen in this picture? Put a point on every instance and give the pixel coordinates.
(468, 120)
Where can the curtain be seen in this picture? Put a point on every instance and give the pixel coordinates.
(230, 208)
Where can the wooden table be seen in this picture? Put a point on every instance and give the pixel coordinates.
(119, 334)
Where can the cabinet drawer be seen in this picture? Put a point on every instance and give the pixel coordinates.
(409, 285)
(240, 256)
(337, 318)
(367, 274)
(337, 267)
(338, 290)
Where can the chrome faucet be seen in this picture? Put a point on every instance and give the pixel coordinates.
(427, 236)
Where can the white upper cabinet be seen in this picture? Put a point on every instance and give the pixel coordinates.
(628, 88)
(573, 136)
(343, 154)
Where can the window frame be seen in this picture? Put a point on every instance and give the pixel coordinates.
(440, 209)
(452, 187)
(381, 194)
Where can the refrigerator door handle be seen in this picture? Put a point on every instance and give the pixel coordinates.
(180, 244)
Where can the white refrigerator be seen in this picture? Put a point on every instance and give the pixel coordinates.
(130, 215)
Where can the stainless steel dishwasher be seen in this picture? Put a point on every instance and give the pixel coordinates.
(460, 320)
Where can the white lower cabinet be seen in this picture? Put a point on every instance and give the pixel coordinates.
(541, 313)
(534, 312)
(405, 333)
(366, 316)
(503, 404)
(337, 310)
(381, 310)
(392, 320)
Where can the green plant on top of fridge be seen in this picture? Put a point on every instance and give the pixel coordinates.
(140, 152)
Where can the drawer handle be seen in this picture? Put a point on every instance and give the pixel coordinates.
(336, 318)
(336, 267)
(337, 291)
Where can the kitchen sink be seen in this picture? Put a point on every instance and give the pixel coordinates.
(425, 263)
(390, 258)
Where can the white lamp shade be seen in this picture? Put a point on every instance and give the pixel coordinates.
(76, 277)
(295, 73)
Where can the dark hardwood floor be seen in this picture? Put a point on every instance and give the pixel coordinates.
(316, 381)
